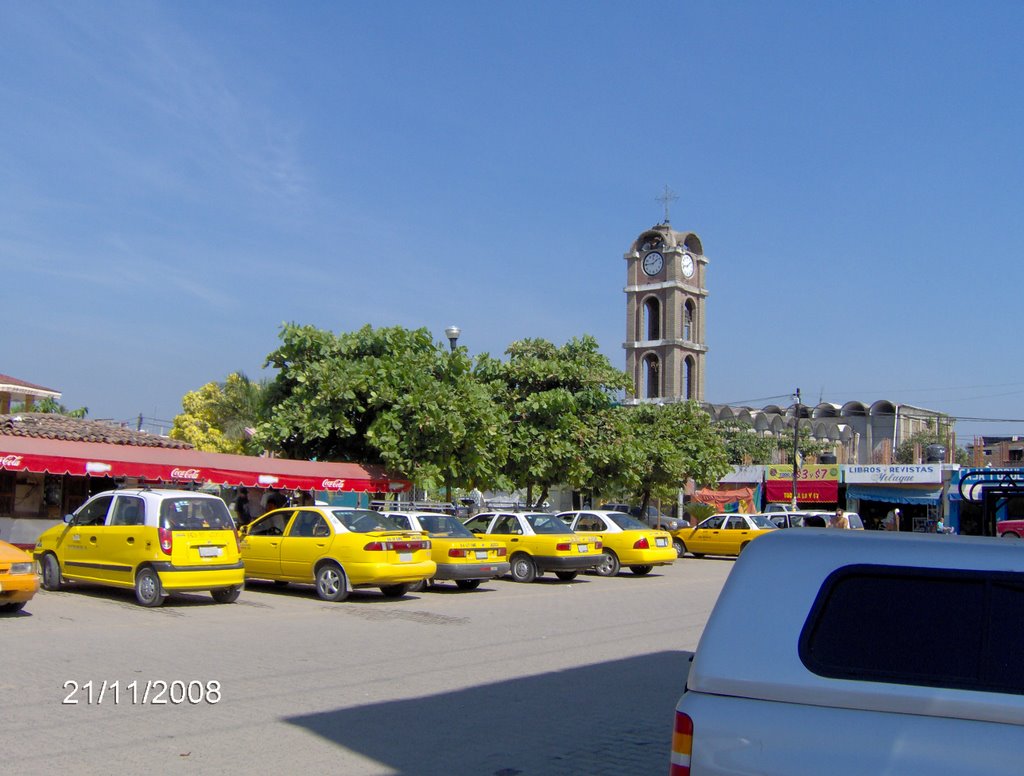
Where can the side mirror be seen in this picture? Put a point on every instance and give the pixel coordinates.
(68, 518)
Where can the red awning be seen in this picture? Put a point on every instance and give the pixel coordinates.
(160, 464)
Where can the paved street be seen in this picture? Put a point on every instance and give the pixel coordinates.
(544, 678)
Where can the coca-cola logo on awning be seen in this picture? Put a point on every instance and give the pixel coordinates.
(12, 461)
(184, 474)
(332, 484)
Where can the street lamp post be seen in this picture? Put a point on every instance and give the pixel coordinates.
(452, 333)
(796, 447)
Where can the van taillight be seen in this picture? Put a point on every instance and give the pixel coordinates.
(682, 745)
(166, 540)
(642, 544)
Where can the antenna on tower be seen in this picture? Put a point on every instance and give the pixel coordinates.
(664, 198)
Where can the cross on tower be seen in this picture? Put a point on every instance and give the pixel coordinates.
(667, 196)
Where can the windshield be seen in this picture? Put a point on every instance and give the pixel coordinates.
(547, 524)
(364, 520)
(626, 523)
(445, 525)
(762, 522)
(192, 513)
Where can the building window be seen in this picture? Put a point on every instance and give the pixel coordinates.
(651, 373)
(689, 370)
(652, 319)
(688, 321)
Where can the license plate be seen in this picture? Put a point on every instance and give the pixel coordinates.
(582, 547)
(404, 557)
(661, 542)
(481, 554)
(209, 552)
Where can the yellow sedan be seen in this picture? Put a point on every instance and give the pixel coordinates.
(18, 578)
(627, 541)
(723, 534)
(336, 549)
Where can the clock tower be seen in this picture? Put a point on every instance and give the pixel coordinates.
(665, 303)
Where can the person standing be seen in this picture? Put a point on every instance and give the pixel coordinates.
(839, 519)
(242, 513)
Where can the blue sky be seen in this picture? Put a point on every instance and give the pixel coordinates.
(179, 179)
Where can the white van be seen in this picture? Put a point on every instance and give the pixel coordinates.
(860, 652)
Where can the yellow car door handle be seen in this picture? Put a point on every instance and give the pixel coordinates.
(321, 544)
(515, 540)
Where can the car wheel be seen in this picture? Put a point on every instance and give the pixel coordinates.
(226, 595)
(12, 608)
(1009, 535)
(51, 572)
(609, 565)
(467, 584)
(680, 547)
(523, 568)
(567, 576)
(394, 591)
(331, 584)
(148, 590)
(641, 570)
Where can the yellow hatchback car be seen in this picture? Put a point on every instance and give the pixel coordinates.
(461, 556)
(538, 542)
(155, 541)
(18, 578)
(722, 534)
(627, 541)
(336, 549)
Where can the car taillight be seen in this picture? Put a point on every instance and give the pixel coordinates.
(563, 546)
(598, 545)
(502, 552)
(403, 546)
(642, 544)
(166, 540)
(682, 745)
(455, 552)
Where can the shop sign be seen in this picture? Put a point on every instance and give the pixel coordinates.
(808, 473)
(744, 474)
(897, 474)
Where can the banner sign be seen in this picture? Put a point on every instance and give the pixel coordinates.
(899, 474)
(816, 483)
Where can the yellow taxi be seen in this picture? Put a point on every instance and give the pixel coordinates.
(336, 549)
(722, 534)
(18, 578)
(460, 555)
(155, 541)
(539, 542)
(627, 541)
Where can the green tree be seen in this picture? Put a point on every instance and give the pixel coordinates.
(50, 405)
(904, 452)
(390, 396)
(222, 417)
(555, 399)
(675, 442)
(745, 445)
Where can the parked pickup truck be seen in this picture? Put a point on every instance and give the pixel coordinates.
(860, 652)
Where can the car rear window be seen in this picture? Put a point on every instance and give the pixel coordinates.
(195, 514)
(365, 520)
(931, 627)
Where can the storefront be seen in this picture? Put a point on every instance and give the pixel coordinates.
(43, 479)
(968, 490)
(738, 491)
(911, 491)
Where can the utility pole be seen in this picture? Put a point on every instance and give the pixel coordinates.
(796, 448)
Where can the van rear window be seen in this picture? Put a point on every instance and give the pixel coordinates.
(930, 627)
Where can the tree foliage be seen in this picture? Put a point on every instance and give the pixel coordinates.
(221, 417)
(674, 443)
(390, 396)
(53, 406)
(744, 445)
(555, 399)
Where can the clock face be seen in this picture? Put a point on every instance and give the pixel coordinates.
(687, 265)
(653, 263)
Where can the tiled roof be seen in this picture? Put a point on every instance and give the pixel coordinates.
(14, 382)
(46, 425)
